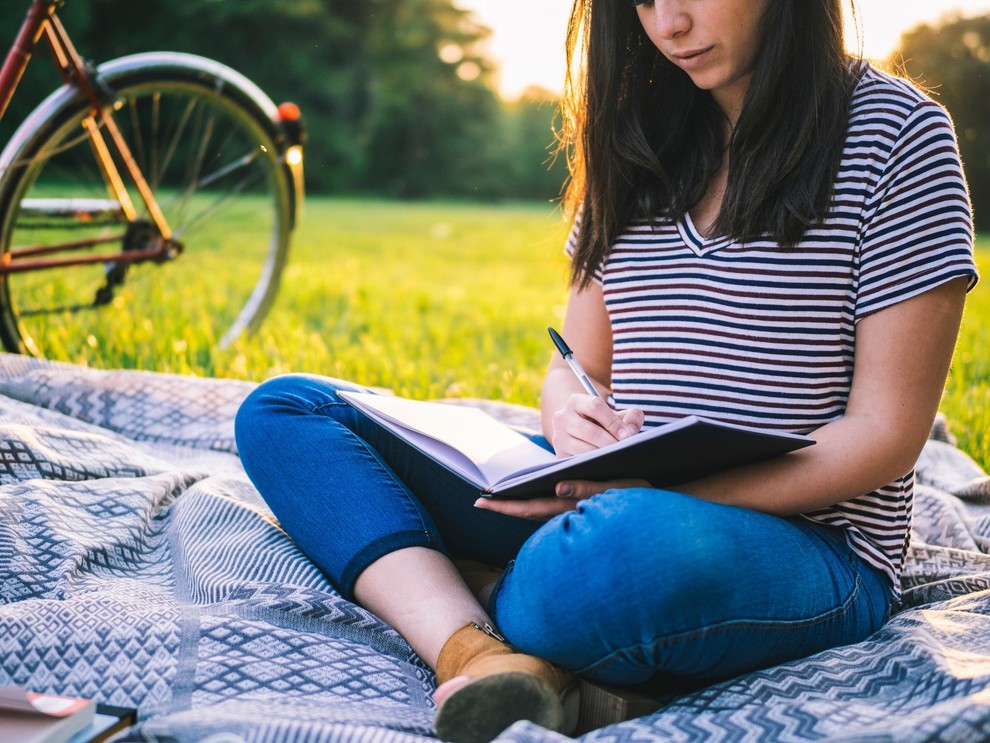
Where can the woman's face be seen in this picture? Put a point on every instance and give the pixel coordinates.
(715, 42)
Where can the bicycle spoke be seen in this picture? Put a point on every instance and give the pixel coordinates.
(179, 202)
(177, 137)
(226, 170)
(235, 190)
(54, 151)
(196, 164)
(156, 179)
(137, 141)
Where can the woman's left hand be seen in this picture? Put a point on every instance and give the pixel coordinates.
(568, 493)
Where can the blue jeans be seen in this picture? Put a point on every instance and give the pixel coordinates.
(632, 584)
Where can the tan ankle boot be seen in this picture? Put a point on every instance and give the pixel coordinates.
(506, 686)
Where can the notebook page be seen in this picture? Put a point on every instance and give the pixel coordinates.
(495, 449)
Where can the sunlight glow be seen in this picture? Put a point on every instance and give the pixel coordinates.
(528, 39)
(883, 21)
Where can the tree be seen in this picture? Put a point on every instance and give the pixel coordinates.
(312, 52)
(952, 62)
(432, 103)
(397, 95)
(538, 170)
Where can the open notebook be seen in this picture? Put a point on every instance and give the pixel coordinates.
(502, 462)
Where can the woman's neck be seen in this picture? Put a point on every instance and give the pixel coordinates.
(705, 212)
(730, 98)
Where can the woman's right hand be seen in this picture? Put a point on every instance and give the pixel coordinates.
(586, 423)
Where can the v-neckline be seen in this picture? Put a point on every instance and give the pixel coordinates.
(692, 237)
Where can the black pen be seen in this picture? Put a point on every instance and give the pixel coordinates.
(572, 362)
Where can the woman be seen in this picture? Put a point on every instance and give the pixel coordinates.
(768, 233)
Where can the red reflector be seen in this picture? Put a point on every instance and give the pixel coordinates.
(288, 112)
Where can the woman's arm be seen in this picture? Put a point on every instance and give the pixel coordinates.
(902, 358)
(574, 421)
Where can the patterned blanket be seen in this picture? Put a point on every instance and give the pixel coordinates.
(138, 566)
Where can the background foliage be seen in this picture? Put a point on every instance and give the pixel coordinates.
(397, 94)
(952, 61)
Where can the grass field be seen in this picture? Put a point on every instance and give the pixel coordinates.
(436, 300)
(966, 401)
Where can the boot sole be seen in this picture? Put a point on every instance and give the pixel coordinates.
(480, 711)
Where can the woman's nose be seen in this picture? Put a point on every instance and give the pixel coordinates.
(669, 18)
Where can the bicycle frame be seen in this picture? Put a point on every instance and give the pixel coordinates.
(20, 53)
(42, 21)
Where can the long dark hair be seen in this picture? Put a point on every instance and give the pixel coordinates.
(643, 141)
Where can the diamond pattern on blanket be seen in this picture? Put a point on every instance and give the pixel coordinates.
(939, 574)
(113, 647)
(39, 452)
(57, 538)
(893, 686)
(240, 657)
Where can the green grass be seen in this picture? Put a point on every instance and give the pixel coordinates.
(427, 299)
(432, 300)
(966, 401)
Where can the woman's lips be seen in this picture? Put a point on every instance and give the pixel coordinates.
(693, 58)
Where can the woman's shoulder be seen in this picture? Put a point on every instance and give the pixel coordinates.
(879, 90)
(891, 110)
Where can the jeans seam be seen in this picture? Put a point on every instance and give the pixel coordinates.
(407, 496)
(493, 597)
(323, 405)
(384, 468)
(728, 625)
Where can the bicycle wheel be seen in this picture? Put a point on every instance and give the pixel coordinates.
(215, 160)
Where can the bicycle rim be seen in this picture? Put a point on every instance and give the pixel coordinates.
(215, 173)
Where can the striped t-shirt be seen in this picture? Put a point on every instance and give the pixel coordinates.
(754, 334)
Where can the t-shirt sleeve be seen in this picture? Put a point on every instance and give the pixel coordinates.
(918, 226)
(570, 246)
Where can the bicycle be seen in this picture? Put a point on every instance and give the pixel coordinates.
(162, 156)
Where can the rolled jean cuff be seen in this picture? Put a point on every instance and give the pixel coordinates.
(378, 549)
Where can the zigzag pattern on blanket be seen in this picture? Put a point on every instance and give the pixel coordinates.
(138, 566)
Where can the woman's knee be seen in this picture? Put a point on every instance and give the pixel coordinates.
(620, 561)
(641, 535)
(271, 411)
(288, 394)
(621, 555)
(630, 569)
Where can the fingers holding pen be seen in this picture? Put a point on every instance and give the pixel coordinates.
(620, 424)
(586, 423)
(633, 418)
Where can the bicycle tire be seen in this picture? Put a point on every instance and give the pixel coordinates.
(214, 152)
